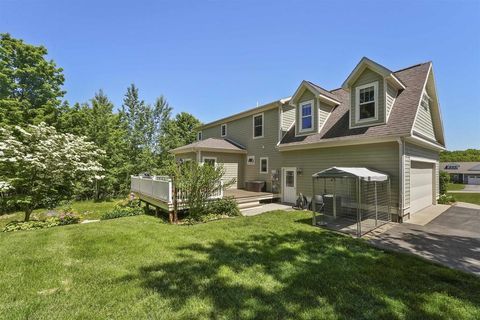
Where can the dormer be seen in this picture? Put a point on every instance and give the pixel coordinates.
(313, 105)
(373, 90)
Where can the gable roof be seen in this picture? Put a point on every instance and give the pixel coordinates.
(318, 91)
(211, 144)
(400, 122)
(376, 67)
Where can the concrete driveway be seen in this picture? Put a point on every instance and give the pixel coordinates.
(469, 188)
(452, 239)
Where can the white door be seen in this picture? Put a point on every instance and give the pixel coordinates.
(421, 185)
(289, 185)
(231, 173)
(473, 179)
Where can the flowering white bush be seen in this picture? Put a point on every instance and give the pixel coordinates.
(39, 166)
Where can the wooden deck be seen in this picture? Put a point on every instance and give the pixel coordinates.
(243, 197)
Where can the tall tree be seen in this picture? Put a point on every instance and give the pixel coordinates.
(40, 166)
(30, 85)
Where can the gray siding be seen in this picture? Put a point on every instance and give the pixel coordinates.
(189, 155)
(288, 116)
(323, 113)
(391, 95)
(412, 150)
(368, 76)
(424, 123)
(232, 163)
(241, 131)
(383, 157)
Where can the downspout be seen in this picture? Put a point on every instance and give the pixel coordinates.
(401, 182)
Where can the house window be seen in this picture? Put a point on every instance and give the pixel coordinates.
(306, 116)
(223, 130)
(199, 135)
(258, 126)
(251, 160)
(366, 98)
(210, 160)
(263, 165)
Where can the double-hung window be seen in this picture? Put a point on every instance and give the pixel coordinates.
(367, 102)
(258, 126)
(223, 130)
(199, 135)
(263, 165)
(306, 116)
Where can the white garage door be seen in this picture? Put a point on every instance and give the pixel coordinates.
(421, 187)
(473, 179)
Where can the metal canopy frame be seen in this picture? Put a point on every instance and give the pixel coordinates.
(365, 175)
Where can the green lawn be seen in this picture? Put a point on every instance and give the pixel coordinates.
(467, 197)
(87, 209)
(455, 186)
(272, 266)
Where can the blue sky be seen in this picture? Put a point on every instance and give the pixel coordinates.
(215, 58)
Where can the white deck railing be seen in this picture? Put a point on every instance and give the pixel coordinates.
(161, 188)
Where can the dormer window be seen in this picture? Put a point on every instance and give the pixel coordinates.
(366, 97)
(306, 116)
(223, 130)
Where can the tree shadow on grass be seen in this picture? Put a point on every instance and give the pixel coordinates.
(304, 275)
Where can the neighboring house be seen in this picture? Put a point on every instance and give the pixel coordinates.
(384, 120)
(462, 172)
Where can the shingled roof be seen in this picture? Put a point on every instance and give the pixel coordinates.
(400, 122)
(211, 144)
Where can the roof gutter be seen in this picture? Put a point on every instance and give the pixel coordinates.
(336, 143)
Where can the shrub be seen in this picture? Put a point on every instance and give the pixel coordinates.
(226, 206)
(446, 199)
(444, 180)
(119, 212)
(68, 218)
(31, 225)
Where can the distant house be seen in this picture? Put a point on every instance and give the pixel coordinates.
(462, 172)
(380, 119)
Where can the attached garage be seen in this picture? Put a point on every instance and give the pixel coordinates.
(473, 179)
(421, 185)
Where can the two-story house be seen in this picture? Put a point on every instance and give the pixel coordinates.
(380, 119)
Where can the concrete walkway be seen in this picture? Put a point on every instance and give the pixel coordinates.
(451, 239)
(265, 208)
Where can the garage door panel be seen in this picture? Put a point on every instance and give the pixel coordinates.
(421, 185)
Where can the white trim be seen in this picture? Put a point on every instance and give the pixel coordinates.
(252, 163)
(221, 130)
(260, 162)
(195, 149)
(263, 125)
(312, 115)
(337, 143)
(199, 155)
(420, 100)
(422, 159)
(294, 169)
(209, 158)
(280, 123)
(199, 135)
(424, 143)
(357, 102)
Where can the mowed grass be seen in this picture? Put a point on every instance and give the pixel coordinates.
(88, 210)
(467, 197)
(455, 186)
(272, 266)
